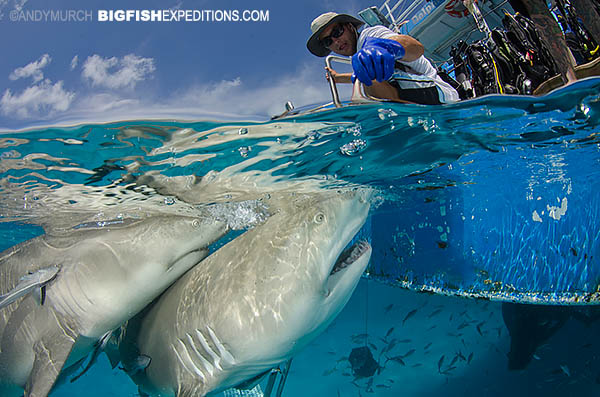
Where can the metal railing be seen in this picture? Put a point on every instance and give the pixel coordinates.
(358, 94)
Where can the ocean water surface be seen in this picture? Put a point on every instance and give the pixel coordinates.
(495, 198)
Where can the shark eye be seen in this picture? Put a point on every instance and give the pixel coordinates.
(319, 218)
(196, 223)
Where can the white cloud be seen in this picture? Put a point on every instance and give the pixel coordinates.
(74, 62)
(227, 99)
(106, 102)
(33, 69)
(307, 86)
(117, 73)
(38, 100)
(177, 6)
(19, 4)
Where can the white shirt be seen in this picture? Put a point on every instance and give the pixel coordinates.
(420, 74)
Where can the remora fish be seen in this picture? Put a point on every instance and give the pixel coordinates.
(106, 277)
(254, 302)
(31, 283)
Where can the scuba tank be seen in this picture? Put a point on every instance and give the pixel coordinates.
(578, 37)
(507, 60)
(536, 60)
(475, 70)
(461, 71)
(483, 70)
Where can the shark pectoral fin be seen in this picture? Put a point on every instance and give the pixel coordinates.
(51, 353)
(112, 352)
(99, 347)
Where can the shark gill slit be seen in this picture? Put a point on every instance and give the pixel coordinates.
(225, 355)
(207, 366)
(186, 361)
(216, 359)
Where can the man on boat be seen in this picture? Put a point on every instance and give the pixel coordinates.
(390, 65)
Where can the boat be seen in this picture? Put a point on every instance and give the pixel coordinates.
(444, 26)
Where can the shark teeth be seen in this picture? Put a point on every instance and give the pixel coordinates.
(350, 255)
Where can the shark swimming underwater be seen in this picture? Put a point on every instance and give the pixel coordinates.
(102, 277)
(253, 303)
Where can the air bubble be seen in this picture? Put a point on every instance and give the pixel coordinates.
(169, 201)
(244, 150)
(354, 147)
(313, 135)
(386, 113)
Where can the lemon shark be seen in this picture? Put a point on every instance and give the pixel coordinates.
(253, 303)
(94, 279)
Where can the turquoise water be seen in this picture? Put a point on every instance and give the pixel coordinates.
(495, 197)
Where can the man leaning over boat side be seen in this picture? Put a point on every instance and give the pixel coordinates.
(390, 65)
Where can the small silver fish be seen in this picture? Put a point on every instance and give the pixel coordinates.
(566, 370)
(440, 362)
(389, 332)
(464, 324)
(408, 353)
(434, 313)
(479, 328)
(453, 361)
(409, 315)
(397, 359)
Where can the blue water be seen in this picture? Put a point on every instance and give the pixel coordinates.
(495, 197)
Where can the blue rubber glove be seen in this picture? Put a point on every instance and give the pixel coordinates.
(375, 60)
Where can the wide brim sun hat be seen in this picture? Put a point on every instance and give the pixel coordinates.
(320, 23)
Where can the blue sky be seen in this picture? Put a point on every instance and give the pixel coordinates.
(61, 72)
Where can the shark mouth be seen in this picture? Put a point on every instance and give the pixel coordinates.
(350, 255)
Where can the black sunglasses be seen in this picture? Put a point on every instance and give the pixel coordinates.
(336, 32)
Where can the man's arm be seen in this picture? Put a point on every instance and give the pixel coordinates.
(414, 49)
(340, 78)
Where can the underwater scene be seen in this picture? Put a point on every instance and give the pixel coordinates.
(476, 224)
